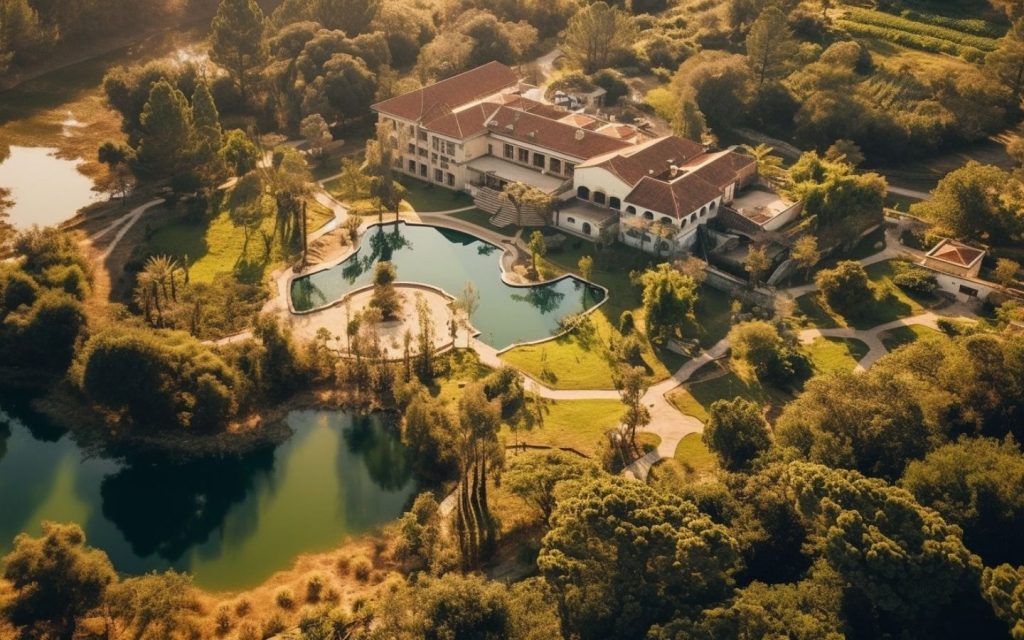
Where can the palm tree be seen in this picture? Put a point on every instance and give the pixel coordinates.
(768, 164)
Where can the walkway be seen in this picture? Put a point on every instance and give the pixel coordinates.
(125, 222)
(871, 337)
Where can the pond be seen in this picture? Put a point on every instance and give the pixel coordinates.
(47, 190)
(231, 522)
(449, 259)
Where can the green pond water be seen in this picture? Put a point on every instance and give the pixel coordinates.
(46, 189)
(231, 522)
(448, 259)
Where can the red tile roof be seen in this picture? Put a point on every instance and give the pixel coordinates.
(551, 134)
(648, 158)
(955, 252)
(433, 101)
(678, 198)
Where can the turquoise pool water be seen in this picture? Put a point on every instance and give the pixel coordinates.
(448, 259)
(231, 522)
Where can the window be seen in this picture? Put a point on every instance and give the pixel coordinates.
(412, 166)
(615, 203)
(422, 152)
(435, 143)
(508, 151)
(539, 160)
(969, 291)
(423, 170)
(524, 155)
(714, 204)
(555, 165)
(451, 180)
(582, 193)
(438, 175)
(587, 228)
(449, 148)
(648, 215)
(599, 197)
(433, 158)
(667, 220)
(703, 211)
(631, 210)
(571, 220)
(570, 168)
(412, 148)
(422, 135)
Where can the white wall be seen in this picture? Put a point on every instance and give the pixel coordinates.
(952, 284)
(600, 179)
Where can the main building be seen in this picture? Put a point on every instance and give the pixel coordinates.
(483, 129)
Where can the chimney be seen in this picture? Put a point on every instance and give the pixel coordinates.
(673, 171)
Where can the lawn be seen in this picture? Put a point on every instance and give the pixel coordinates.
(427, 198)
(836, 354)
(566, 363)
(216, 246)
(576, 424)
(694, 456)
(891, 303)
(895, 338)
(572, 362)
(695, 399)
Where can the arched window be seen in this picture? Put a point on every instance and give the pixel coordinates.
(571, 220)
(631, 210)
(714, 203)
(648, 215)
(682, 223)
(614, 203)
(586, 228)
(583, 193)
(599, 197)
(667, 220)
(693, 216)
(703, 211)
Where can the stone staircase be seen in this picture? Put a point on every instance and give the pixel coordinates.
(502, 213)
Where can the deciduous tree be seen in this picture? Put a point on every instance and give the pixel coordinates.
(56, 579)
(668, 299)
(736, 431)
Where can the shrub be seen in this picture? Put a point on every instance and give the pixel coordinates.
(223, 619)
(911, 277)
(343, 566)
(626, 323)
(612, 82)
(243, 607)
(361, 568)
(273, 626)
(248, 631)
(285, 598)
(314, 588)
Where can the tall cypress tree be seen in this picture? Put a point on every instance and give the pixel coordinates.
(167, 144)
(209, 135)
(236, 40)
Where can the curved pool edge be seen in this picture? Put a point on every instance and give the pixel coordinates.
(507, 248)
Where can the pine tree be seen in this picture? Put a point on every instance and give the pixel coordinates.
(236, 40)
(209, 135)
(167, 144)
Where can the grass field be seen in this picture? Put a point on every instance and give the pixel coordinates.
(577, 424)
(216, 246)
(427, 197)
(692, 462)
(891, 303)
(569, 362)
(695, 399)
(836, 354)
(895, 338)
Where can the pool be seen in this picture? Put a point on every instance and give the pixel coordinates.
(449, 259)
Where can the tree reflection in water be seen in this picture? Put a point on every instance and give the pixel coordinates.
(167, 508)
(385, 457)
(544, 298)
